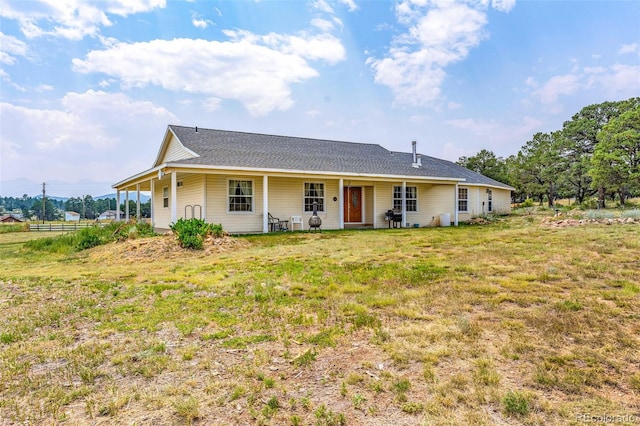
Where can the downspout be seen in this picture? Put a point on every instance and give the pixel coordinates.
(455, 207)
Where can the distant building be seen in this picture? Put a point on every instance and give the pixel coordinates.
(110, 215)
(8, 218)
(71, 217)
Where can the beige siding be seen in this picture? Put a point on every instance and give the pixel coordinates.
(190, 194)
(501, 201)
(433, 200)
(175, 151)
(368, 212)
(439, 199)
(479, 202)
(286, 198)
(218, 209)
(162, 215)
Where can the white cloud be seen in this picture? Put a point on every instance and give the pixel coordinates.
(199, 22)
(322, 24)
(620, 81)
(616, 81)
(71, 19)
(322, 6)
(83, 137)
(503, 5)
(629, 48)
(351, 5)
(255, 70)
(549, 92)
(212, 104)
(439, 33)
(498, 135)
(10, 47)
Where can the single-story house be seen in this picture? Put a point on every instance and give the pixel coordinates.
(71, 217)
(239, 179)
(9, 218)
(111, 214)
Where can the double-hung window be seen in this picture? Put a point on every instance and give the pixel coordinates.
(463, 199)
(411, 197)
(240, 195)
(165, 196)
(313, 191)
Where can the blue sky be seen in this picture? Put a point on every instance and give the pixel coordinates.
(88, 87)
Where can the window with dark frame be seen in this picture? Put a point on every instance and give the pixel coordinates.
(463, 199)
(313, 191)
(411, 196)
(240, 195)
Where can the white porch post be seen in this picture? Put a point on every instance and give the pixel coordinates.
(341, 203)
(204, 197)
(265, 204)
(138, 201)
(404, 204)
(153, 193)
(174, 196)
(455, 207)
(126, 205)
(118, 201)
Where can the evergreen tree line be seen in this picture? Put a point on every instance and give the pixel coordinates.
(54, 209)
(594, 158)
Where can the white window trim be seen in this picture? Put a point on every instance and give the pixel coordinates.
(393, 199)
(253, 200)
(463, 199)
(165, 190)
(324, 196)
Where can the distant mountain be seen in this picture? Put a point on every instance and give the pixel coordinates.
(58, 189)
(132, 197)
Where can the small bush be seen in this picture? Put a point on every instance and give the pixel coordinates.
(192, 232)
(634, 214)
(89, 237)
(589, 203)
(516, 403)
(599, 214)
(527, 203)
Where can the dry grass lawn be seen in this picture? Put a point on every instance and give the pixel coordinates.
(510, 323)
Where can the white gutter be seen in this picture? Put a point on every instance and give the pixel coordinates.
(302, 172)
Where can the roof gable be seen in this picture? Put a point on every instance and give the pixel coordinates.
(172, 149)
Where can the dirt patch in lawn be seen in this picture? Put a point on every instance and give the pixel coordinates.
(163, 247)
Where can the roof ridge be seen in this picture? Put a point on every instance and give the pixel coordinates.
(283, 136)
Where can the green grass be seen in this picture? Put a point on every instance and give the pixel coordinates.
(501, 323)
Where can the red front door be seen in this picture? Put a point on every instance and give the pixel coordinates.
(353, 204)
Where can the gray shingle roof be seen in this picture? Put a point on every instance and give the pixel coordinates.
(259, 151)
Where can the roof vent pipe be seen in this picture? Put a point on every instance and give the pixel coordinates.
(417, 158)
(196, 129)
